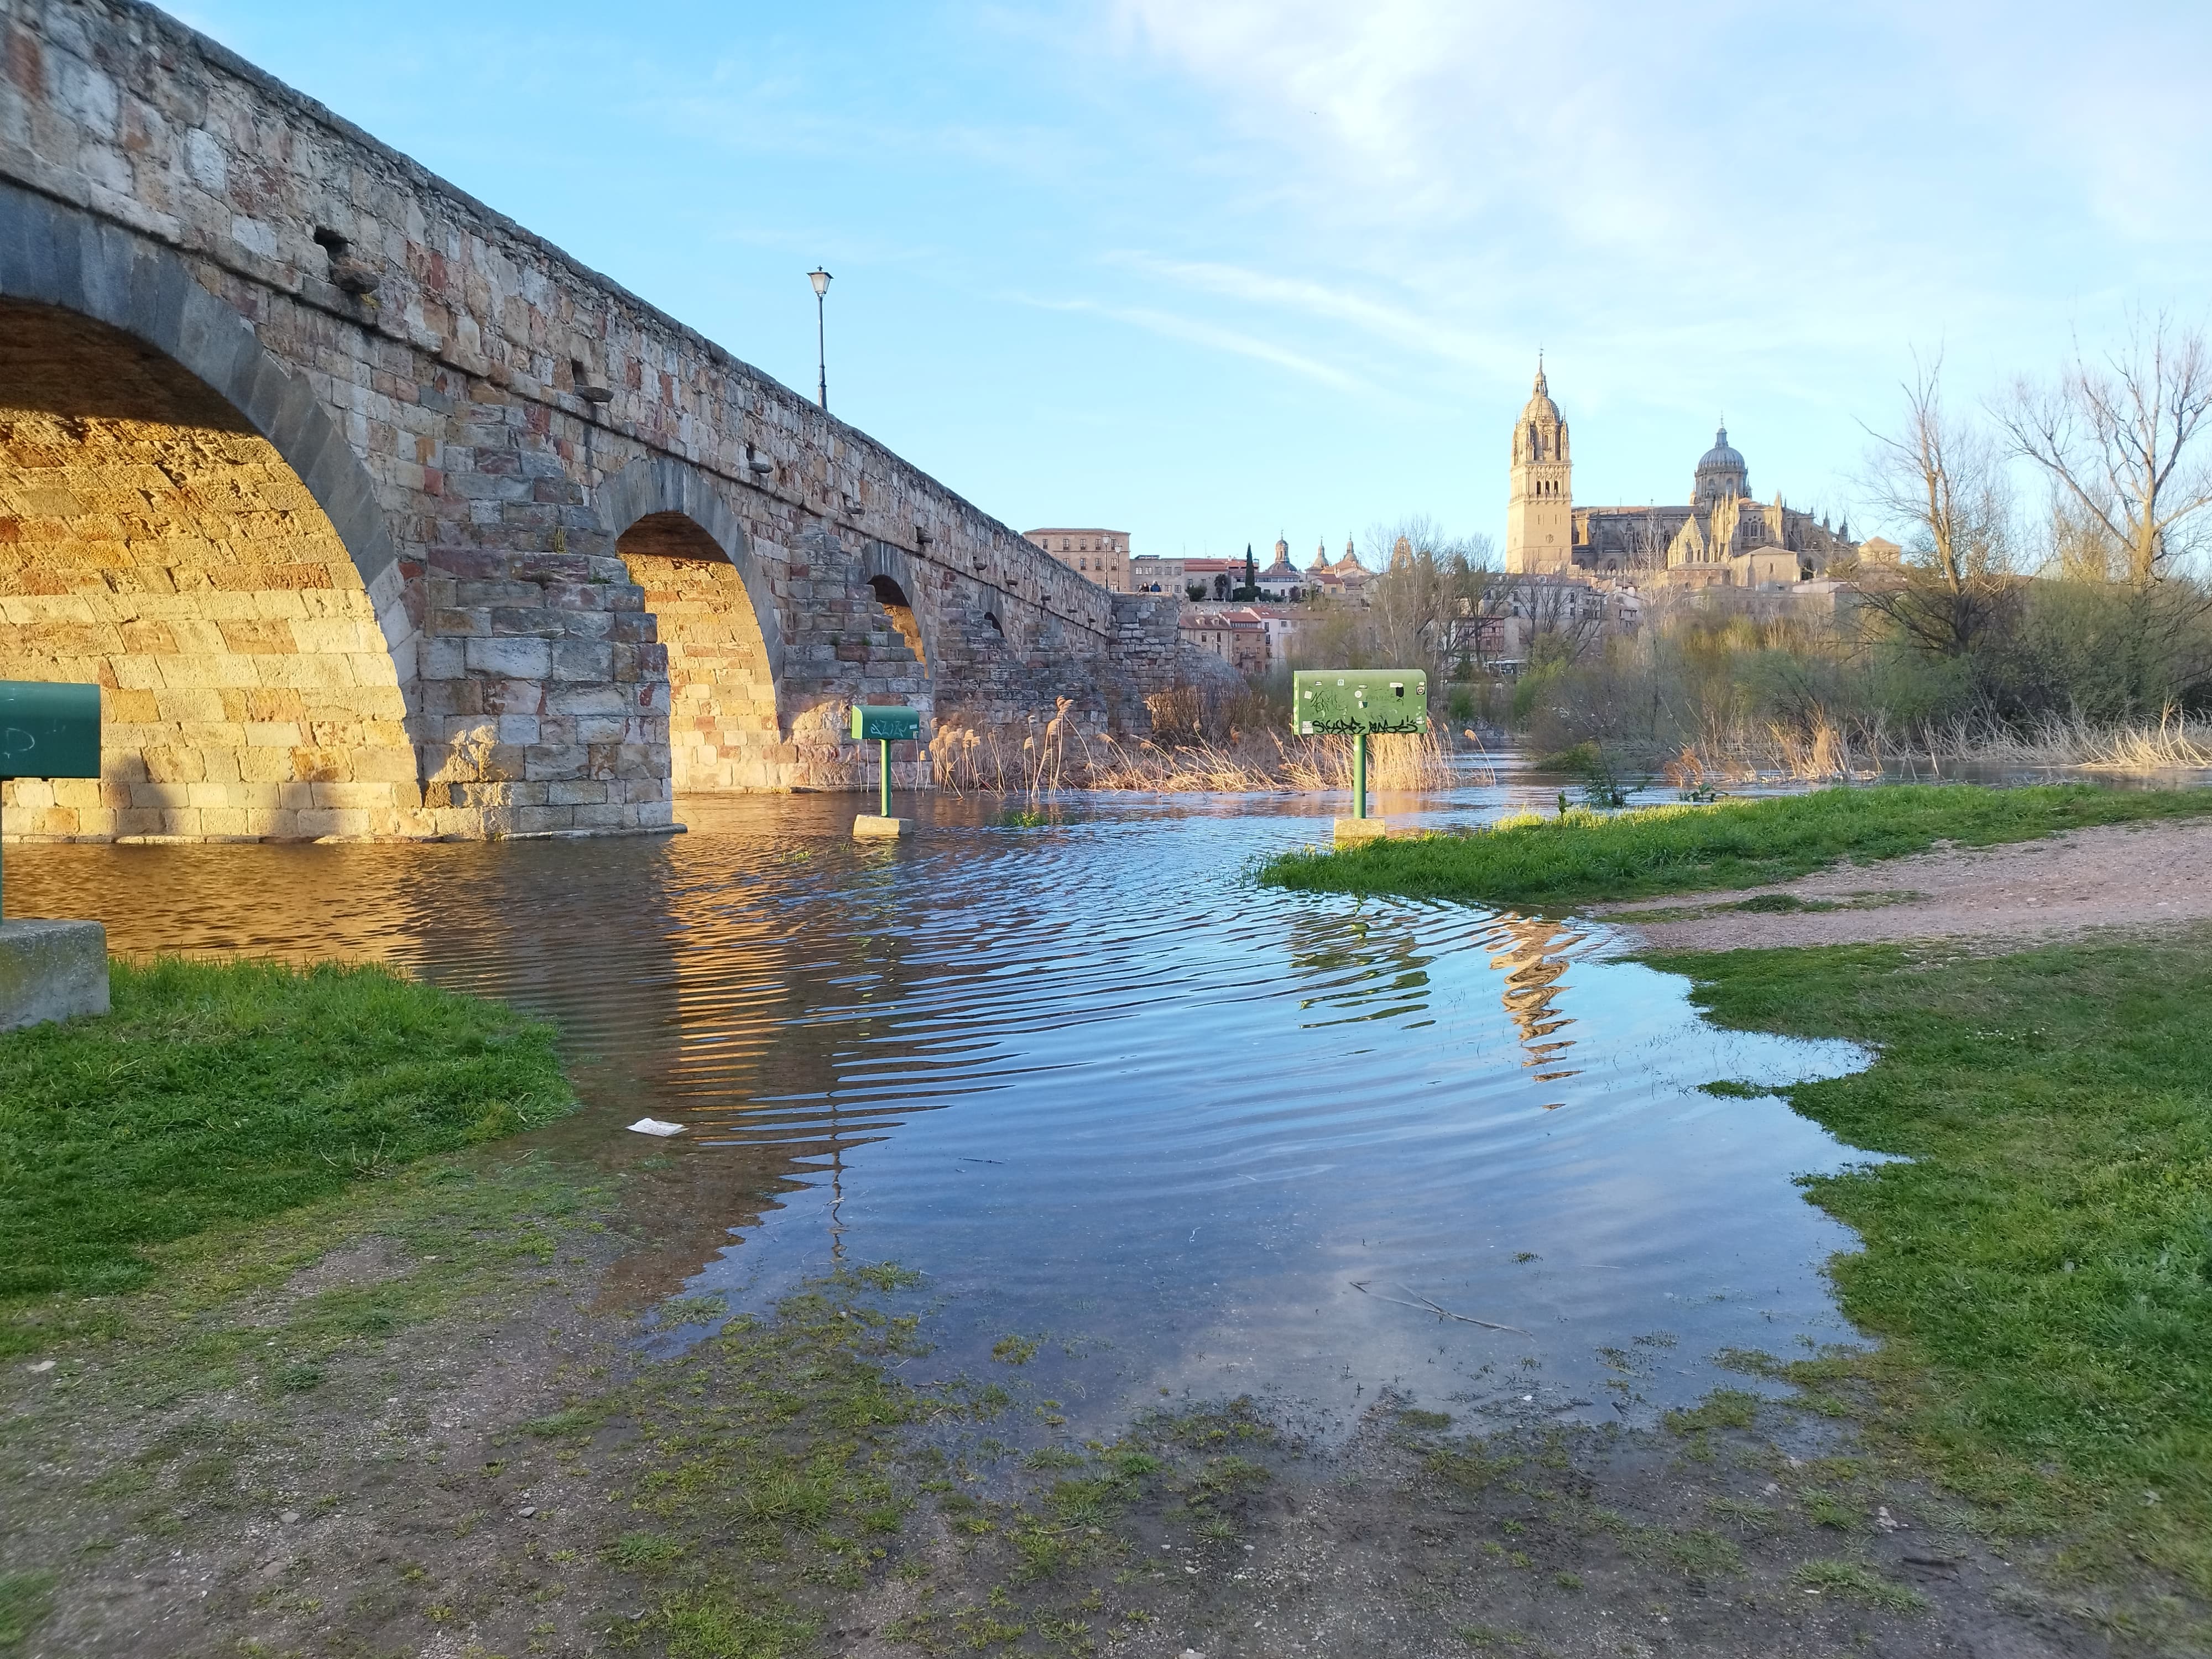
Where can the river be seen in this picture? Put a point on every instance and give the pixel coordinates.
(1187, 1136)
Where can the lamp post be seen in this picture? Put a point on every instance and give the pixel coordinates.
(820, 278)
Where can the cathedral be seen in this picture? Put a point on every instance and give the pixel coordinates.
(1722, 538)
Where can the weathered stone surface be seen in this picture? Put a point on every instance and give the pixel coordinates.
(306, 532)
(52, 970)
(869, 826)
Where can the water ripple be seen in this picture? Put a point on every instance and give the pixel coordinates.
(1101, 1088)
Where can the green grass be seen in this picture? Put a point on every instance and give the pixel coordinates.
(24, 1601)
(2041, 1269)
(216, 1094)
(1586, 857)
(1861, 1583)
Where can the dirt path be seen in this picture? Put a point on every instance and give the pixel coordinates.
(2153, 876)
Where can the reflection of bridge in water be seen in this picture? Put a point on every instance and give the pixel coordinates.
(1365, 968)
(1535, 967)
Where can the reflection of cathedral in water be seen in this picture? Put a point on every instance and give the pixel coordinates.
(1535, 967)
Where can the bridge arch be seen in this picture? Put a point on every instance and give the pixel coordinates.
(715, 616)
(181, 522)
(892, 579)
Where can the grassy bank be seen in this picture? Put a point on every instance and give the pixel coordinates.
(217, 1094)
(2041, 1269)
(1586, 857)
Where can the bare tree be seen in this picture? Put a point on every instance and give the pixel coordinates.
(1425, 581)
(1531, 619)
(1564, 618)
(1647, 541)
(2123, 443)
(1945, 478)
(2081, 546)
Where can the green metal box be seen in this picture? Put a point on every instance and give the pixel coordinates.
(49, 729)
(886, 725)
(1352, 700)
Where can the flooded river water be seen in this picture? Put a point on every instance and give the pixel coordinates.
(1186, 1134)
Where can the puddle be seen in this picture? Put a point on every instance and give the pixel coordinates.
(1172, 1134)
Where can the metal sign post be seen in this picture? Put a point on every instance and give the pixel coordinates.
(886, 727)
(47, 730)
(1358, 702)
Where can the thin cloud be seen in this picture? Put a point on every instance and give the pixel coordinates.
(1192, 331)
(1400, 325)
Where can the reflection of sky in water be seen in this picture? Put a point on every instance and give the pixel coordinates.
(1103, 1091)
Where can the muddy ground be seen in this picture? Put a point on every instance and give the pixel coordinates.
(2144, 877)
(420, 1423)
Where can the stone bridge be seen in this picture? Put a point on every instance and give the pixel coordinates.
(376, 516)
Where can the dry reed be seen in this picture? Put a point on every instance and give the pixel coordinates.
(1821, 750)
(2176, 743)
(1037, 758)
(1814, 750)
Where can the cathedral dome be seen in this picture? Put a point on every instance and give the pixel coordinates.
(1721, 472)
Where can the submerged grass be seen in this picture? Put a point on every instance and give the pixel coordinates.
(2041, 1268)
(1582, 857)
(216, 1094)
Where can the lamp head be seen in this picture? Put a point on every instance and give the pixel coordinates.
(820, 280)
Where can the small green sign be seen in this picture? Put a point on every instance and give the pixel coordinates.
(1359, 700)
(49, 729)
(886, 724)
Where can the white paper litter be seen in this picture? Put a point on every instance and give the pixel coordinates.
(653, 1126)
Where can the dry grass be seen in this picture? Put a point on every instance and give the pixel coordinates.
(1264, 763)
(1037, 757)
(1817, 750)
(1822, 751)
(2176, 742)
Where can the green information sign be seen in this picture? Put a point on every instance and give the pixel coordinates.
(1358, 702)
(887, 725)
(49, 729)
(1349, 699)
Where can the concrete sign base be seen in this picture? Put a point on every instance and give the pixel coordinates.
(52, 970)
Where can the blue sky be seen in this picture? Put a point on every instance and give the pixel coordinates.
(1211, 269)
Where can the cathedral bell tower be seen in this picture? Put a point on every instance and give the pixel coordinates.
(1539, 508)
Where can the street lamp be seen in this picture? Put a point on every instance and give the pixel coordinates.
(820, 278)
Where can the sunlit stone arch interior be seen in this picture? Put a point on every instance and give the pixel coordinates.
(724, 732)
(893, 600)
(153, 542)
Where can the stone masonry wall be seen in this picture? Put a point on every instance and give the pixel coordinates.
(482, 420)
(153, 543)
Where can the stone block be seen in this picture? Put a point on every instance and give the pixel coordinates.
(1350, 832)
(868, 826)
(353, 797)
(52, 970)
(583, 661)
(511, 657)
(587, 701)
